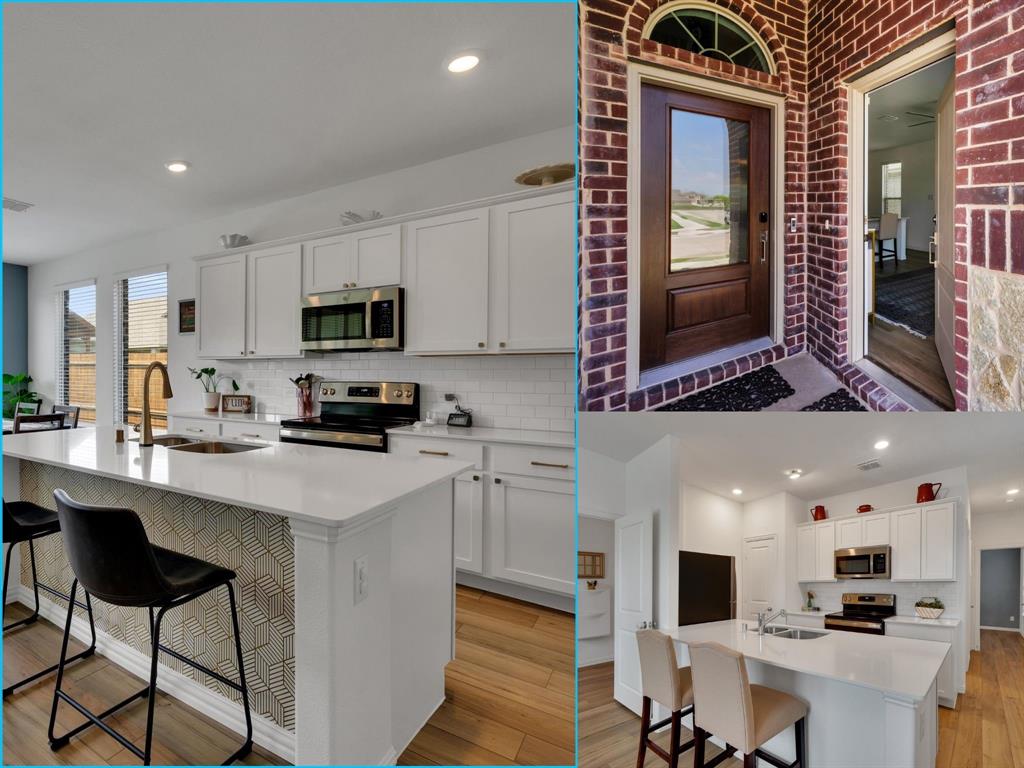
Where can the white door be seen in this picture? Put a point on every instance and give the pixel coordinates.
(825, 550)
(376, 257)
(634, 601)
(906, 545)
(468, 523)
(275, 302)
(945, 184)
(220, 307)
(806, 554)
(326, 264)
(531, 274)
(849, 533)
(938, 542)
(531, 532)
(760, 569)
(446, 267)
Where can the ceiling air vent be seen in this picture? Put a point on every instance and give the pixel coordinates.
(10, 204)
(867, 466)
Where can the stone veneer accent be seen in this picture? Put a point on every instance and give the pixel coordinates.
(257, 546)
(997, 340)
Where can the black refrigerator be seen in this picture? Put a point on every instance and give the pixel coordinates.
(707, 587)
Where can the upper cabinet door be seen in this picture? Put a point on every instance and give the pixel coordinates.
(905, 532)
(806, 554)
(220, 307)
(275, 302)
(825, 547)
(533, 267)
(376, 257)
(849, 533)
(876, 531)
(446, 283)
(938, 542)
(326, 264)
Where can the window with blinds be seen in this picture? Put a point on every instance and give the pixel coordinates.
(892, 184)
(140, 333)
(76, 349)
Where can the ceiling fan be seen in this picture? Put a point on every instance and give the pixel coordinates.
(928, 119)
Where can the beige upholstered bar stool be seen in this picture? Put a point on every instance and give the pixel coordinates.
(745, 715)
(665, 682)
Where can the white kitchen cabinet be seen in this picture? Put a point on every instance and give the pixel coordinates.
(938, 542)
(532, 272)
(274, 304)
(531, 531)
(469, 522)
(220, 307)
(446, 267)
(238, 429)
(849, 533)
(806, 619)
(194, 427)
(876, 531)
(249, 305)
(905, 535)
(825, 551)
(945, 683)
(806, 558)
(365, 259)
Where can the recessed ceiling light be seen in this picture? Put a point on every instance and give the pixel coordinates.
(1013, 492)
(881, 445)
(794, 474)
(177, 166)
(463, 63)
(737, 491)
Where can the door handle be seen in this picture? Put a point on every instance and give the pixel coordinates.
(764, 247)
(931, 252)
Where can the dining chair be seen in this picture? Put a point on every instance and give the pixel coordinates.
(71, 413)
(888, 229)
(28, 408)
(38, 422)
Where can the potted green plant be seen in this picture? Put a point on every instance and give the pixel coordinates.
(211, 381)
(929, 607)
(16, 391)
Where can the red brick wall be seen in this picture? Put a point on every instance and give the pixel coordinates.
(816, 50)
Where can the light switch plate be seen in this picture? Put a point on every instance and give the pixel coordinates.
(360, 576)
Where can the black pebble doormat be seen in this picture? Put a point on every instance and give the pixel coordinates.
(749, 392)
(840, 400)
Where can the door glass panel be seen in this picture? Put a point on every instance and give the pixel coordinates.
(710, 166)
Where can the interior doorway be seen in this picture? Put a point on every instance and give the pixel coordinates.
(908, 210)
(1002, 580)
(760, 575)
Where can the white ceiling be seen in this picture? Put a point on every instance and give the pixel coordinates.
(722, 451)
(267, 101)
(917, 92)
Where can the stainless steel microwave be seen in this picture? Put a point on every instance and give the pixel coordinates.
(359, 319)
(864, 563)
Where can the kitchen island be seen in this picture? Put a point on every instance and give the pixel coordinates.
(872, 698)
(345, 573)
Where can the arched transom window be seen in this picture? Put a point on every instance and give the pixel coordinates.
(710, 33)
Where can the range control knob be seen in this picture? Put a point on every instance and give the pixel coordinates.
(323, 391)
(398, 393)
(408, 393)
(331, 391)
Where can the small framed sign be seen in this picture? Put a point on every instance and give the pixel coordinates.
(236, 403)
(187, 316)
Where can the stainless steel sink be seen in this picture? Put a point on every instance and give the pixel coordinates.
(170, 441)
(792, 633)
(207, 446)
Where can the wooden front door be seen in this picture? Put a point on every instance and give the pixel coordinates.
(705, 250)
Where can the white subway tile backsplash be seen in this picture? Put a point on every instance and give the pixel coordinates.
(830, 596)
(509, 391)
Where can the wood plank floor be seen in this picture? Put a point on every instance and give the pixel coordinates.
(182, 736)
(985, 731)
(911, 359)
(508, 692)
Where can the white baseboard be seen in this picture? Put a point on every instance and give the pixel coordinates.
(595, 662)
(517, 591)
(1001, 629)
(266, 734)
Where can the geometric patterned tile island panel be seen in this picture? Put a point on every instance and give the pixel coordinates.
(256, 545)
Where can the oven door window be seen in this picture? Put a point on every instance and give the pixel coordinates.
(857, 565)
(337, 322)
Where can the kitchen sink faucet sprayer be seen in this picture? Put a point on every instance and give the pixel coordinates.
(764, 619)
(146, 441)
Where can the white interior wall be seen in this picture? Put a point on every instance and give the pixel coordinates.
(601, 485)
(713, 524)
(597, 536)
(918, 188)
(778, 514)
(511, 391)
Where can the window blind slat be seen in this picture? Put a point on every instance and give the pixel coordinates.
(76, 349)
(140, 333)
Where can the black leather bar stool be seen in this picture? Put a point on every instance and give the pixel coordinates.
(114, 561)
(25, 521)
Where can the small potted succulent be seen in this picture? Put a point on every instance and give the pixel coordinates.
(305, 390)
(929, 607)
(211, 381)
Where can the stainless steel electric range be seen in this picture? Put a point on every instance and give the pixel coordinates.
(356, 415)
(863, 612)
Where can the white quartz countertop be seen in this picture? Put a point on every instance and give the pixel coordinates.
(939, 622)
(330, 486)
(893, 665)
(490, 435)
(243, 418)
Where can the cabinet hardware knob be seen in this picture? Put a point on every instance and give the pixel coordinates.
(433, 453)
(247, 434)
(475, 478)
(481, 344)
(497, 481)
(547, 464)
(242, 352)
(252, 351)
(501, 344)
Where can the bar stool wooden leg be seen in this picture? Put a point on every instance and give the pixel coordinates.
(645, 724)
(673, 761)
(699, 737)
